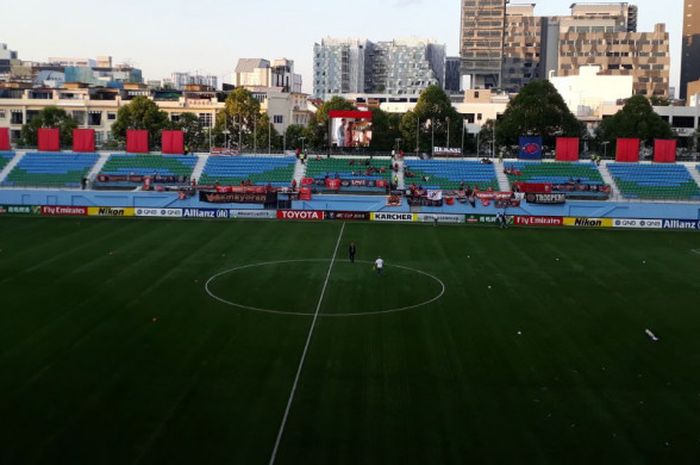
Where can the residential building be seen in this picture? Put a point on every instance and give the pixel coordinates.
(643, 55)
(181, 80)
(481, 42)
(253, 73)
(340, 67)
(594, 34)
(396, 67)
(97, 108)
(690, 56)
(453, 75)
(7, 56)
(522, 47)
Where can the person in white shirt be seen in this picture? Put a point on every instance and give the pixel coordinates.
(379, 266)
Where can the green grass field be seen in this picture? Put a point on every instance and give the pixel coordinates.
(113, 352)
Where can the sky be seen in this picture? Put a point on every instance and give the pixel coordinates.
(209, 36)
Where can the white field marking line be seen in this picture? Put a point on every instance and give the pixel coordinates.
(443, 288)
(696, 251)
(280, 433)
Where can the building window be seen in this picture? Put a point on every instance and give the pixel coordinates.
(17, 117)
(205, 119)
(278, 119)
(111, 116)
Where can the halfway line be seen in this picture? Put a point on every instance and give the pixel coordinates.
(303, 354)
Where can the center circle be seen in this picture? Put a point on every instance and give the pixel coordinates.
(293, 287)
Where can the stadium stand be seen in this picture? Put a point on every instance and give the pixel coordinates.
(580, 180)
(554, 173)
(654, 182)
(437, 174)
(5, 158)
(341, 168)
(119, 166)
(232, 171)
(38, 169)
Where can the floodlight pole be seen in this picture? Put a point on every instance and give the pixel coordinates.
(448, 132)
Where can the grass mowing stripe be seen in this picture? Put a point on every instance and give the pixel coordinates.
(305, 351)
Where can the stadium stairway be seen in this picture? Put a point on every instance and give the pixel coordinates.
(503, 183)
(609, 180)
(199, 167)
(92, 175)
(11, 165)
(299, 172)
(694, 173)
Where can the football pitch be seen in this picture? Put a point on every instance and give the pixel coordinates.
(188, 342)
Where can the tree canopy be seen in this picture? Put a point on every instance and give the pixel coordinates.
(49, 117)
(538, 109)
(431, 117)
(195, 134)
(636, 119)
(141, 113)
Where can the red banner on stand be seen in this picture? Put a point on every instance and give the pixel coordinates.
(5, 139)
(567, 149)
(83, 140)
(665, 150)
(627, 150)
(173, 142)
(137, 141)
(49, 140)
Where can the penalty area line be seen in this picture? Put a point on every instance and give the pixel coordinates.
(280, 433)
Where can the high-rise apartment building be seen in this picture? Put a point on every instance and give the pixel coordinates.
(522, 47)
(358, 66)
(690, 57)
(481, 41)
(595, 34)
(643, 55)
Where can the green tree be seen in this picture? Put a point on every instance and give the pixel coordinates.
(433, 118)
(537, 110)
(195, 135)
(386, 128)
(141, 113)
(49, 117)
(261, 130)
(636, 119)
(293, 136)
(239, 117)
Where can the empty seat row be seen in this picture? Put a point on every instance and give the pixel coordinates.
(654, 182)
(231, 171)
(344, 168)
(38, 169)
(451, 174)
(147, 165)
(554, 173)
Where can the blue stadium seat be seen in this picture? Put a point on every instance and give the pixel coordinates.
(37, 169)
(445, 174)
(231, 171)
(655, 181)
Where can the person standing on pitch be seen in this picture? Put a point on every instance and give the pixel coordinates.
(379, 266)
(352, 251)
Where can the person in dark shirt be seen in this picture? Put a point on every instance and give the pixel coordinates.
(352, 251)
